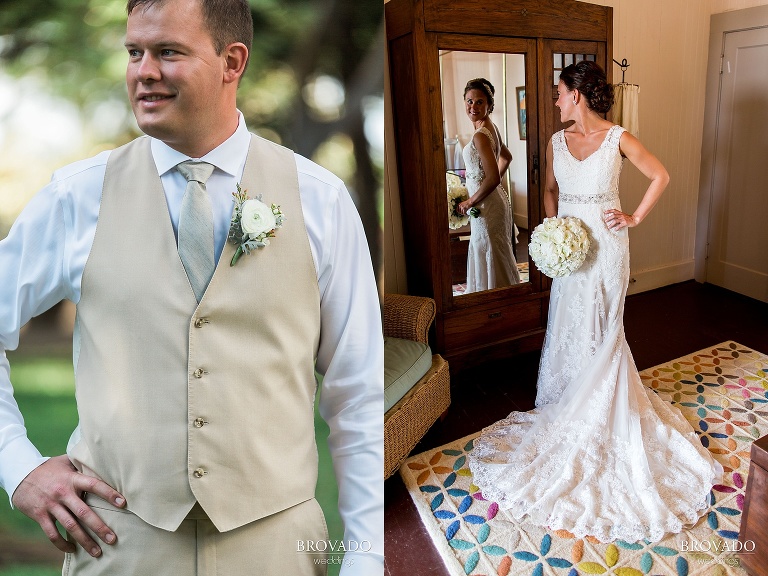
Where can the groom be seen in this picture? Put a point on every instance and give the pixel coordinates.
(195, 451)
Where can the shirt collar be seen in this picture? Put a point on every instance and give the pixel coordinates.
(229, 156)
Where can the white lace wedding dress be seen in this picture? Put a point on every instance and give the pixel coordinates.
(491, 258)
(601, 454)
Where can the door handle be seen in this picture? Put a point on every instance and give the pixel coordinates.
(535, 172)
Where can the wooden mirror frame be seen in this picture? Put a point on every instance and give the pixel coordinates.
(501, 322)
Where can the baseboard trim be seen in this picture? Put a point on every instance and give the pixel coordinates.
(651, 278)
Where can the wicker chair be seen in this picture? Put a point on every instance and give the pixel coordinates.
(409, 317)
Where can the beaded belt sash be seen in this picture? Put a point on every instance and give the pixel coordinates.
(588, 198)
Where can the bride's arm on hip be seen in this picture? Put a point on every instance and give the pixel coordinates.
(490, 168)
(551, 190)
(505, 156)
(652, 168)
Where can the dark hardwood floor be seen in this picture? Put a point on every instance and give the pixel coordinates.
(661, 325)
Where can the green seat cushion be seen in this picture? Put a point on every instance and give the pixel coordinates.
(405, 362)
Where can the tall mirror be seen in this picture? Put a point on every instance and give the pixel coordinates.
(489, 249)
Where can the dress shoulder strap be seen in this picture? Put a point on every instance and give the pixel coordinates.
(484, 130)
(614, 134)
(558, 141)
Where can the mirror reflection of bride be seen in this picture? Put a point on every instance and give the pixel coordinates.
(491, 259)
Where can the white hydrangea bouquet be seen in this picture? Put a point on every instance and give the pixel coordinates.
(559, 246)
(457, 193)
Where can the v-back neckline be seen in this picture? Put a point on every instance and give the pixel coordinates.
(595, 151)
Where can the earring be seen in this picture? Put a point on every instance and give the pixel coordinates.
(574, 100)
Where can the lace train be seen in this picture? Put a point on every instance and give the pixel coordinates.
(582, 466)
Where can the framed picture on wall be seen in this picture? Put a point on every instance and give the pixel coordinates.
(521, 112)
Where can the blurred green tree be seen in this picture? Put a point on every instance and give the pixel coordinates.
(314, 82)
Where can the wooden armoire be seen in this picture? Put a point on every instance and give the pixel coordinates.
(544, 34)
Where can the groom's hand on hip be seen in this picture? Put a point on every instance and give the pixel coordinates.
(54, 492)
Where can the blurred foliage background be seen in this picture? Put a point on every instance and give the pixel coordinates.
(314, 84)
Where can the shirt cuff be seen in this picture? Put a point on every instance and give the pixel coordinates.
(17, 460)
(362, 564)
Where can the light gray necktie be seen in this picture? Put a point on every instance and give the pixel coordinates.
(196, 226)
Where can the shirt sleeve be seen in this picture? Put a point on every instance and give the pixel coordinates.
(351, 359)
(31, 265)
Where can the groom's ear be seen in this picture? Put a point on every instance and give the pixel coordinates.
(235, 58)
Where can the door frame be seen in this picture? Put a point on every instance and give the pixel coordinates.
(720, 25)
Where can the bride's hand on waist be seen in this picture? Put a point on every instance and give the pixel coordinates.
(616, 220)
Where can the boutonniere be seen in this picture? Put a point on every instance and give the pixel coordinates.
(253, 223)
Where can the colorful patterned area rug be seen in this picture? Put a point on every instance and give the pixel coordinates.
(722, 391)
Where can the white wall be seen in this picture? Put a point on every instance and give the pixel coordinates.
(666, 44)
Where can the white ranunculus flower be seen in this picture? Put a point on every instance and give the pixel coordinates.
(257, 218)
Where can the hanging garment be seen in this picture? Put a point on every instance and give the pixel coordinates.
(625, 107)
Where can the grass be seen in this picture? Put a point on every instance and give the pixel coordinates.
(44, 390)
(24, 570)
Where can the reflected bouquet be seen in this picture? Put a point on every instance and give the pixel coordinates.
(457, 193)
(559, 246)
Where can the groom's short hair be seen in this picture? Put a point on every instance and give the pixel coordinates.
(227, 21)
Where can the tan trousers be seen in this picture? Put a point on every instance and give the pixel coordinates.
(267, 547)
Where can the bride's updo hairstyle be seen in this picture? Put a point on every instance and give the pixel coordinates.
(485, 87)
(589, 79)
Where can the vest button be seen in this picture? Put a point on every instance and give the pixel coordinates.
(199, 422)
(199, 373)
(200, 322)
(199, 473)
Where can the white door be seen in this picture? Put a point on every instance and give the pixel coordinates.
(737, 255)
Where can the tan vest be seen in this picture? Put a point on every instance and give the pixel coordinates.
(181, 402)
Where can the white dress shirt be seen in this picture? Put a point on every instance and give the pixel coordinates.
(42, 262)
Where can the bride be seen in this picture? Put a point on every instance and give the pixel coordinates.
(601, 454)
(490, 257)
